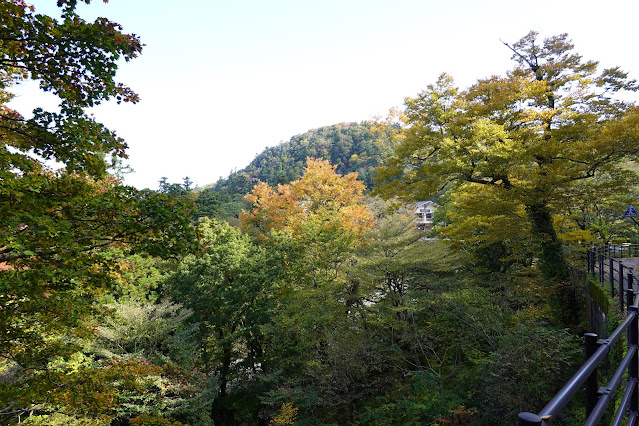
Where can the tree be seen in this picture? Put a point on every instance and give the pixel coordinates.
(316, 222)
(177, 189)
(159, 336)
(228, 293)
(600, 217)
(75, 60)
(320, 195)
(527, 138)
(396, 260)
(56, 223)
(482, 222)
(311, 226)
(209, 203)
(524, 373)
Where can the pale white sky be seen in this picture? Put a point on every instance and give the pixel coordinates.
(220, 80)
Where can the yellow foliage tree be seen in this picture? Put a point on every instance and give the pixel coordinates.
(320, 195)
(311, 227)
(531, 139)
(286, 415)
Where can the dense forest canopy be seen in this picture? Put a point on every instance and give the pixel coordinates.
(319, 303)
(350, 147)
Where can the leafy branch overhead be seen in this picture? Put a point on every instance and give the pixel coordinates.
(56, 224)
(77, 61)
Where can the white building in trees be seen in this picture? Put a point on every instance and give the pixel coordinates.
(424, 211)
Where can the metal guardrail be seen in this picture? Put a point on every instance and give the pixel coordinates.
(597, 399)
(607, 264)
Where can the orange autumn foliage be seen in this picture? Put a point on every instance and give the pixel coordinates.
(319, 195)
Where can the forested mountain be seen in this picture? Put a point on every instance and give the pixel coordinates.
(351, 147)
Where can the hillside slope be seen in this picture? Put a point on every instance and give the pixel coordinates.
(352, 147)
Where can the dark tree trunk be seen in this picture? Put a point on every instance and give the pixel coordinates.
(220, 412)
(551, 257)
(563, 299)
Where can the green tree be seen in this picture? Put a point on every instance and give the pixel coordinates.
(527, 138)
(226, 287)
(396, 259)
(530, 364)
(160, 335)
(600, 217)
(311, 227)
(55, 224)
(209, 203)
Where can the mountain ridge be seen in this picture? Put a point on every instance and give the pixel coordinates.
(350, 146)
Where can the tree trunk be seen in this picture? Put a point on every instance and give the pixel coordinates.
(220, 412)
(551, 257)
(563, 301)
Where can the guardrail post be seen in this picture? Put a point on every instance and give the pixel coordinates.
(611, 275)
(590, 347)
(601, 269)
(621, 292)
(633, 371)
(633, 336)
(528, 419)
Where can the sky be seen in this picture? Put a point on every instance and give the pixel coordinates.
(221, 80)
